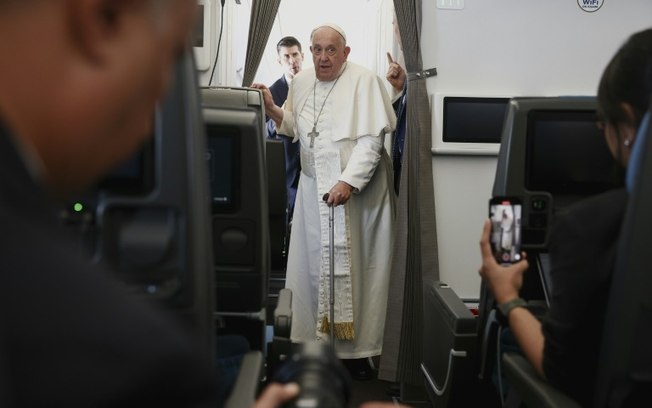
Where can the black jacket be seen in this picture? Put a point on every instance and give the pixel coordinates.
(279, 91)
(582, 250)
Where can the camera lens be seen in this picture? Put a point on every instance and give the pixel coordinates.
(323, 380)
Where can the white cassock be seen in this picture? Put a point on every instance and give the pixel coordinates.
(352, 116)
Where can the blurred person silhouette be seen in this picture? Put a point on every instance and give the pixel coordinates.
(72, 335)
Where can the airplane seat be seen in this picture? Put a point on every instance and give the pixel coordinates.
(148, 219)
(249, 210)
(278, 221)
(234, 120)
(533, 390)
(281, 345)
(245, 390)
(449, 349)
(243, 365)
(278, 202)
(151, 219)
(530, 388)
(537, 163)
(537, 392)
(633, 168)
(625, 377)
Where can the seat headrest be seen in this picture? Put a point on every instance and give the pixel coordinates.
(637, 153)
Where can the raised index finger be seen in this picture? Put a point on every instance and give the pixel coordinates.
(389, 58)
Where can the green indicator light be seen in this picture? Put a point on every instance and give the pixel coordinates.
(78, 207)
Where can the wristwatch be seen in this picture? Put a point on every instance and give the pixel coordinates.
(507, 307)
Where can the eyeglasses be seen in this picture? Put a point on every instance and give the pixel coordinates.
(330, 51)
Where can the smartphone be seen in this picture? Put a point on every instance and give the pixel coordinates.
(505, 214)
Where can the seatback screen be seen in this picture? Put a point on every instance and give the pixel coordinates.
(473, 120)
(567, 154)
(222, 158)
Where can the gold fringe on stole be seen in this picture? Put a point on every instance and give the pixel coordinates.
(343, 331)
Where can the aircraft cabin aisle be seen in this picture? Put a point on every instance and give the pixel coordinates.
(163, 273)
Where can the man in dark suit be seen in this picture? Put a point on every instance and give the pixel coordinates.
(70, 334)
(397, 78)
(290, 57)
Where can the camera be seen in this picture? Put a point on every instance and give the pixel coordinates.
(323, 380)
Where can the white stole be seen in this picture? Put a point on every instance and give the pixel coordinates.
(327, 168)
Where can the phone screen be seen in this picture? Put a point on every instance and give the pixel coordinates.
(505, 215)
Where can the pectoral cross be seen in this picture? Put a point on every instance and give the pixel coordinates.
(312, 135)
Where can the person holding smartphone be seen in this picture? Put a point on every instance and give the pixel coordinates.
(564, 346)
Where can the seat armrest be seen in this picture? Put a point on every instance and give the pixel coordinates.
(281, 345)
(283, 314)
(449, 347)
(533, 390)
(249, 378)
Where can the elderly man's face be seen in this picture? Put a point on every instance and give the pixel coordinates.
(329, 53)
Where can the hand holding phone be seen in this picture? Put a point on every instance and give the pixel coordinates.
(505, 214)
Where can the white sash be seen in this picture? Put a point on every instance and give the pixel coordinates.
(328, 170)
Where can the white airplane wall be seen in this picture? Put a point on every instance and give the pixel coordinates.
(508, 48)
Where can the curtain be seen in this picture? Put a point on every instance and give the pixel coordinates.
(415, 257)
(263, 13)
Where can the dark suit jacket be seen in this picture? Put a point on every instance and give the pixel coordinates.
(279, 92)
(398, 142)
(582, 250)
(70, 334)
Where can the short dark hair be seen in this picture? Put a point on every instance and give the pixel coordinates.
(288, 41)
(627, 78)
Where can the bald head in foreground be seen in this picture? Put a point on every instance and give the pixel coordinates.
(79, 81)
